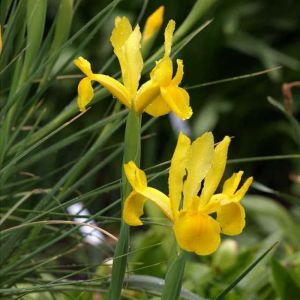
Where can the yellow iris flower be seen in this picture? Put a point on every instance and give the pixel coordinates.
(158, 96)
(188, 206)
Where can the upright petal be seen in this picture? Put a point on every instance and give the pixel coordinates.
(85, 93)
(198, 163)
(120, 33)
(116, 88)
(127, 44)
(178, 171)
(197, 232)
(215, 173)
(178, 100)
(153, 23)
(231, 217)
(84, 65)
(169, 36)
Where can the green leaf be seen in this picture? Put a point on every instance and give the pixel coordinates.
(284, 285)
(249, 269)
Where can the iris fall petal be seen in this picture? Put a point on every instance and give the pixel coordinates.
(197, 232)
(231, 217)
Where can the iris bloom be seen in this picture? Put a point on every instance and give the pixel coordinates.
(189, 207)
(158, 96)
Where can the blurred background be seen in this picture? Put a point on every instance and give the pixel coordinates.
(259, 112)
(244, 37)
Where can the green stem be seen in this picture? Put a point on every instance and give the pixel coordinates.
(174, 276)
(132, 151)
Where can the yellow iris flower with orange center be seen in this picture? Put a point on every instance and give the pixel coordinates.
(189, 207)
(158, 96)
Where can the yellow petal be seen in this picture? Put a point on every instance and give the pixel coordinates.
(231, 217)
(178, 100)
(120, 33)
(158, 107)
(153, 23)
(147, 93)
(179, 73)
(84, 65)
(178, 171)
(232, 183)
(117, 89)
(138, 181)
(159, 199)
(85, 93)
(198, 163)
(135, 176)
(215, 173)
(169, 36)
(162, 72)
(127, 44)
(197, 232)
(212, 205)
(133, 209)
(239, 195)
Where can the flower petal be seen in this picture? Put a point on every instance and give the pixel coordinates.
(116, 88)
(162, 72)
(133, 209)
(178, 171)
(135, 176)
(147, 93)
(169, 36)
(158, 107)
(198, 163)
(121, 33)
(84, 65)
(231, 217)
(197, 232)
(127, 44)
(159, 199)
(153, 23)
(232, 183)
(85, 93)
(239, 195)
(215, 173)
(138, 181)
(179, 73)
(178, 100)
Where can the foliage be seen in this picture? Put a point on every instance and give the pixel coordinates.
(52, 156)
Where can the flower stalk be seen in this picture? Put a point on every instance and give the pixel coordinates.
(132, 151)
(174, 277)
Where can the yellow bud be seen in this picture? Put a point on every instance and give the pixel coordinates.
(153, 23)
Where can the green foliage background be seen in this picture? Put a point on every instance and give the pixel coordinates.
(47, 166)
